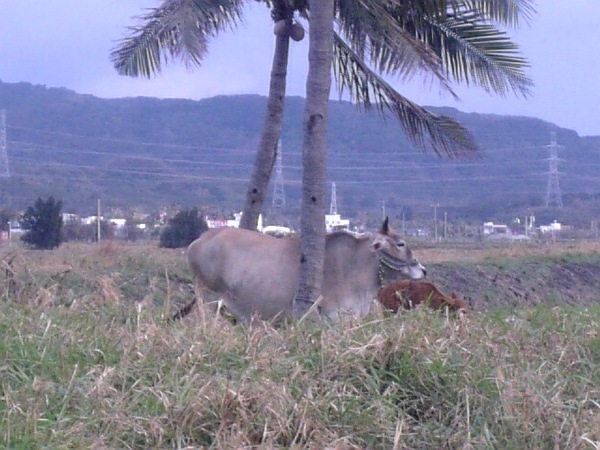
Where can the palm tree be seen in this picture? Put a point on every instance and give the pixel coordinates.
(445, 40)
(314, 156)
(182, 29)
(450, 39)
(282, 13)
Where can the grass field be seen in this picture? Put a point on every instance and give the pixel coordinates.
(87, 360)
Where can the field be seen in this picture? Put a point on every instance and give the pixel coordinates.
(87, 359)
(519, 274)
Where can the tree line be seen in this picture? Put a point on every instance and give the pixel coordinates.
(45, 229)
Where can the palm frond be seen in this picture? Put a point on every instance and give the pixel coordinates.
(439, 40)
(479, 53)
(176, 29)
(472, 48)
(443, 134)
(376, 35)
(504, 12)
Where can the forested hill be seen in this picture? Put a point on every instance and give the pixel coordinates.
(147, 152)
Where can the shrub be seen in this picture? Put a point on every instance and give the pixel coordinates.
(43, 222)
(183, 229)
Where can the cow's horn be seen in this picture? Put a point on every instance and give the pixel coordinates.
(385, 228)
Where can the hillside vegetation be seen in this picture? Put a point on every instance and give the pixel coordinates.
(147, 153)
(88, 361)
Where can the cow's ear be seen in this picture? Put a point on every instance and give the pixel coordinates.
(385, 228)
(376, 244)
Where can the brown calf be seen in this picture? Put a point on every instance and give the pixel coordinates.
(410, 293)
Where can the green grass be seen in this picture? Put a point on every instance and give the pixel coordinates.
(107, 372)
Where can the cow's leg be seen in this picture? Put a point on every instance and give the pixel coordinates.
(200, 297)
(208, 301)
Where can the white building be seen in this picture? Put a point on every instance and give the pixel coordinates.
(216, 223)
(490, 228)
(118, 223)
(66, 217)
(235, 222)
(334, 222)
(552, 228)
(89, 220)
(277, 230)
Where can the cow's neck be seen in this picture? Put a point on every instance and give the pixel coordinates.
(390, 263)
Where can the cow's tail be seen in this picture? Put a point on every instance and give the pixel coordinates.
(184, 311)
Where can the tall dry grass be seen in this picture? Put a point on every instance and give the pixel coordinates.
(95, 365)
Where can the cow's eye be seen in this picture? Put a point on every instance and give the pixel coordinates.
(400, 244)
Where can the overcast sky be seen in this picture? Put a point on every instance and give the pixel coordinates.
(66, 43)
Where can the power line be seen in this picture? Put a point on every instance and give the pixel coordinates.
(399, 152)
(429, 180)
(332, 168)
(129, 155)
(124, 141)
(135, 172)
(181, 146)
(407, 165)
(287, 182)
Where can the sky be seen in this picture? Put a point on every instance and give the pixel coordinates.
(66, 43)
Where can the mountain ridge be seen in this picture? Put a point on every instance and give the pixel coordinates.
(146, 152)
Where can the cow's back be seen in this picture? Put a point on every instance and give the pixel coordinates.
(257, 274)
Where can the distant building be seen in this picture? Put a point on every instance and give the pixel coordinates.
(118, 223)
(416, 232)
(491, 228)
(235, 222)
(90, 220)
(66, 217)
(552, 228)
(334, 222)
(277, 231)
(216, 223)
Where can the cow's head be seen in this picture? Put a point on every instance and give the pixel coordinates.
(395, 258)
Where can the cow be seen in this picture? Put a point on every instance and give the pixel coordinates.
(257, 275)
(409, 294)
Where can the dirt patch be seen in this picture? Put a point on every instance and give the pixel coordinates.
(518, 282)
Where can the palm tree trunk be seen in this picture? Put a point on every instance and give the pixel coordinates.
(267, 148)
(314, 156)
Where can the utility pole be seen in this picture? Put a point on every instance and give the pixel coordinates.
(403, 221)
(529, 220)
(435, 207)
(98, 220)
(445, 225)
